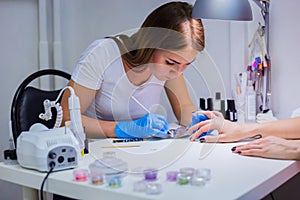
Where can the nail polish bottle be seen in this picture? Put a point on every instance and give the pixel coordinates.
(202, 104)
(210, 105)
(231, 113)
(223, 108)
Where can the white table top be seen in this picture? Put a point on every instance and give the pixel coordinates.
(233, 176)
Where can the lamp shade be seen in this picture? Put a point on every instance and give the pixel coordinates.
(223, 9)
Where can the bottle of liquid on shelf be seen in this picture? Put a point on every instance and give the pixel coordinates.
(231, 113)
(210, 104)
(202, 104)
(250, 104)
(223, 108)
(217, 102)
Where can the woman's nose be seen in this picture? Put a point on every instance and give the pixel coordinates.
(180, 68)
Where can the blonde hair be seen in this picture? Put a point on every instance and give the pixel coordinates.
(169, 27)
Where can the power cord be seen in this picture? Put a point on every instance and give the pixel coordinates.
(52, 165)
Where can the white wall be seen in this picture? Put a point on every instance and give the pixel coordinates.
(18, 53)
(83, 21)
(284, 47)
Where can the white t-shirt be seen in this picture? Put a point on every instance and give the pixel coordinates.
(296, 113)
(100, 67)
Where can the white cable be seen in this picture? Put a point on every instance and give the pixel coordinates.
(59, 115)
(75, 114)
(60, 93)
(50, 104)
(47, 107)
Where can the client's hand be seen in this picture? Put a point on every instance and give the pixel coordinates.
(148, 126)
(208, 120)
(269, 147)
(198, 117)
(228, 131)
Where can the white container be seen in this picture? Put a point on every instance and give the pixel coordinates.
(250, 104)
(112, 168)
(108, 166)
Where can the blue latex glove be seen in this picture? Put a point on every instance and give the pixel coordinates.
(197, 118)
(151, 125)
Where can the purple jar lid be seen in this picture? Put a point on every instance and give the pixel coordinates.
(150, 174)
(172, 175)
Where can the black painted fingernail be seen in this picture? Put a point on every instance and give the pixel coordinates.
(233, 148)
(202, 140)
(239, 152)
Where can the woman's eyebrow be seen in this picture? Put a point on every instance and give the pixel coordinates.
(175, 61)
